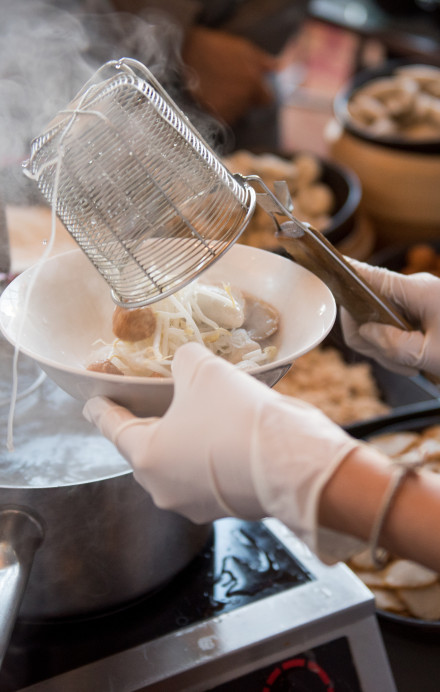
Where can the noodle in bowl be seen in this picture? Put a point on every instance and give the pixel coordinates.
(70, 310)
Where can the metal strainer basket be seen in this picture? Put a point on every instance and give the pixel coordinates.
(136, 186)
(151, 204)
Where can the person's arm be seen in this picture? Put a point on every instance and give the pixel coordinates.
(355, 493)
(230, 446)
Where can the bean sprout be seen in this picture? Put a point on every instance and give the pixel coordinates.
(211, 315)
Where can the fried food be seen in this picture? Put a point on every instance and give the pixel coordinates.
(422, 603)
(422, 257)
(404, 587)
(405, 104)
(408, 574)
(314, 201)
(346, 393)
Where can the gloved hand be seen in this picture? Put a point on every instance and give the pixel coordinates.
(228, 446)
(404, 352)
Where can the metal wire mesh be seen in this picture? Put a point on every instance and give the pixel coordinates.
(137, 187)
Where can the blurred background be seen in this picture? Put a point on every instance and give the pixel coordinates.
(269, 84)
(49, 49)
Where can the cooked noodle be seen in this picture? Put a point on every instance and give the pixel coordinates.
(210, 315)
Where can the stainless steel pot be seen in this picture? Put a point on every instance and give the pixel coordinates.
(72, 547)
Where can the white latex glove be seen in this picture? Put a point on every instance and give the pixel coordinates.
(404, 352)
(228, 446)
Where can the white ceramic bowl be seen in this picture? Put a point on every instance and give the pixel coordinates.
(70, 307)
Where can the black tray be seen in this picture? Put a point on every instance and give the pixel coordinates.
(394, 258)
(398, 391)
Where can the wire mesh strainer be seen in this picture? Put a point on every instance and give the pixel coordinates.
(136, 186)
(152, 206)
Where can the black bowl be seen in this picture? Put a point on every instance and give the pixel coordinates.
(394, 258)
(347, 190)
(360, 79)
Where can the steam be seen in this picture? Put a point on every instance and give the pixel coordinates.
(47, 54)
(41, 65)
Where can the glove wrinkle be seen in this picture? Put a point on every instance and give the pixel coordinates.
(290, 471)
(228, 446)
(234, 479)
(106, 415)
(215, 487)
(131, 423)
(403, 352)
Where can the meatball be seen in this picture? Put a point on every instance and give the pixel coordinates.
(105, 366)
(133, 325)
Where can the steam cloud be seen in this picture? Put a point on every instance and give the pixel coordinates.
(47, 53)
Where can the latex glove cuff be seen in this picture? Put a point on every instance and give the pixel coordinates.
(294, 464)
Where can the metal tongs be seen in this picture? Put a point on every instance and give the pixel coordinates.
(311, 249)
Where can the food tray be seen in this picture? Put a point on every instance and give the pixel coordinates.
(410, 418)
(398, 391)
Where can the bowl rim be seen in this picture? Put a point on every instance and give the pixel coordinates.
(337, 229)
(163, 381)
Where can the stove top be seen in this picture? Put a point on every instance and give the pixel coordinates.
(243, 562)
(254, 610)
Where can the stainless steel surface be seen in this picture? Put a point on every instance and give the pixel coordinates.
(20, 536)
(105, 542)
(196, 658)
(5, 251)
(129, 176)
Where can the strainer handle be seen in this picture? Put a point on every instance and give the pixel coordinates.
(312, 250)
